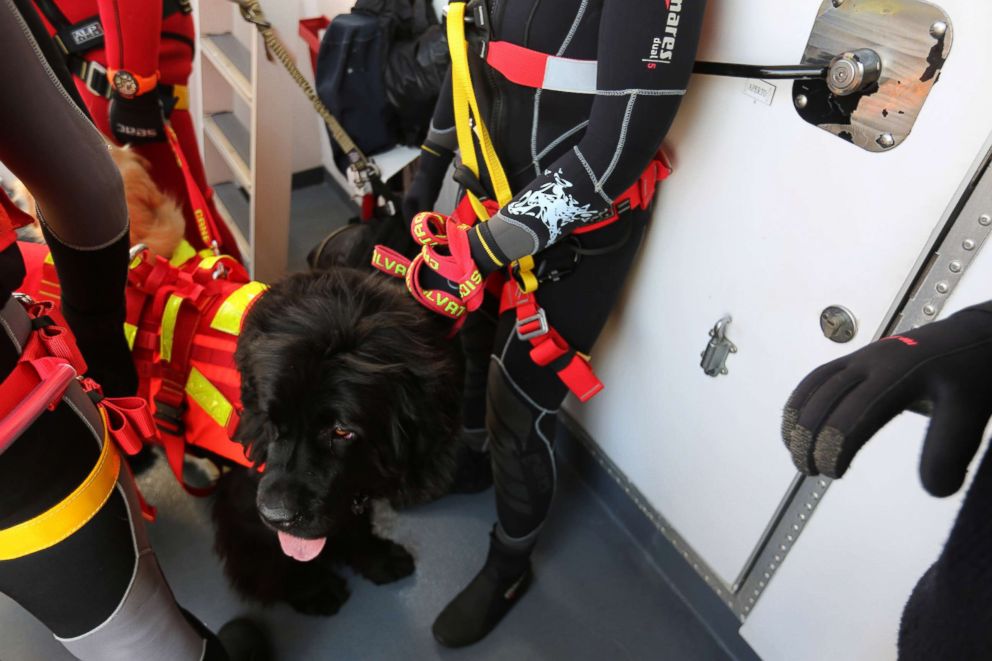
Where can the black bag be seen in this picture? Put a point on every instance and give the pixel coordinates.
(350, 82)
(379, 71)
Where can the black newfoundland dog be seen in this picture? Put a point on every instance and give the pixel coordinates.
(351, 393)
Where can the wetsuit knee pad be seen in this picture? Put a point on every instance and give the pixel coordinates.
(524, 473)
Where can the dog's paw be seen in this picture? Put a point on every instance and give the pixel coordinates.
(384, 562)
(323, 595)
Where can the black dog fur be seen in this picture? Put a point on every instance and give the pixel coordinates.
(321, 353)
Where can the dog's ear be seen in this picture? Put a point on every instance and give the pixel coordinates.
(255, 431)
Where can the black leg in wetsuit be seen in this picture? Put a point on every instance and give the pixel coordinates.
(99, 590)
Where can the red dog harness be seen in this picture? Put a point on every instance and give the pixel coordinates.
(182, 324)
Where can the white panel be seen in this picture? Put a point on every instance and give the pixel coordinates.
(771, 220)
(841, 591)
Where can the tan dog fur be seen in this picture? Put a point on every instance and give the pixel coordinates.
(156, 218)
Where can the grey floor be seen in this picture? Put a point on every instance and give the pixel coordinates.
(596, 595)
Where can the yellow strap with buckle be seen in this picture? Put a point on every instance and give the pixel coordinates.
(61, 521)
(466, 109)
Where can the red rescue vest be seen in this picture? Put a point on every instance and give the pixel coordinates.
(183, 321)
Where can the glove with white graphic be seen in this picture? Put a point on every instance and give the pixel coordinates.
(944, 365)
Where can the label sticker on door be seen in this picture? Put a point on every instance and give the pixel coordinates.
(759, 90)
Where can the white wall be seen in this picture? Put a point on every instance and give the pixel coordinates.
(771, 220)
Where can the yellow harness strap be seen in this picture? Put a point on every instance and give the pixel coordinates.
(466, 109)
(62, 520)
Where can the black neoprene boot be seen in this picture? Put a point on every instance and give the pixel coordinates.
(477, 609)
(243, 640)
(96, 317)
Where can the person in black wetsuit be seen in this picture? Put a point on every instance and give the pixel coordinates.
(96, 583)
(568, 156)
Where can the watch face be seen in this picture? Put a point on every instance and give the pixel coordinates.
(125, 84)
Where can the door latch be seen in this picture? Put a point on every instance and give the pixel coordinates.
(714, 361)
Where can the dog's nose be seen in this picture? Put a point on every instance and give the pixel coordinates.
(278, 515)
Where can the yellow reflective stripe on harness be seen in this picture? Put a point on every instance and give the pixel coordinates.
(463, 95)
(464, 100)
(49, 259)
(206, 395)
(232, 310)
(61, 521)
(208, 263)
(184, 252)
(130, 331)
(169, 316)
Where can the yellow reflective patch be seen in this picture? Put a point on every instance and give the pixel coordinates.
(206, 395)
(232, 310)
(169, 316)
(184, 252)
(48, 258)
(130, 330)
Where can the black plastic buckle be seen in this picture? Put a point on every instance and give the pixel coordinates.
(557, 262)
(467, 180)
(172, 416)
(94, 76)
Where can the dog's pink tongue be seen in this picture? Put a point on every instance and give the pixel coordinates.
(301, 549)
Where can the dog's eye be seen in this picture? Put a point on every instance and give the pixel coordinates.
(344, 434)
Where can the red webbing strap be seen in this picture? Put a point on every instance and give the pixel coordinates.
(130, 426)
(205, 223)
(548, 347)
(389, 261)
(31, 387)
(172, 393)
(11, 218)
(639, 195)
(520, 65)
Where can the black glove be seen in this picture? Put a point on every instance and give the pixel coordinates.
(945, 366)
(137, 121)
(426, 184)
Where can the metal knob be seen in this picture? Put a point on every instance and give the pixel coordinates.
(838, 324)
(854, 71)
